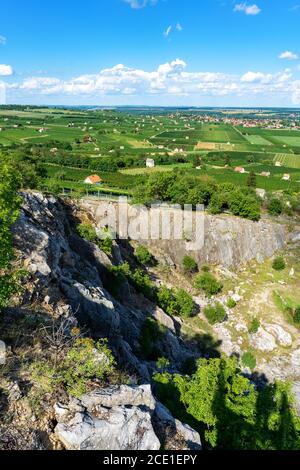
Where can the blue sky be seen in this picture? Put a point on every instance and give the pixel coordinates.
(158, 52)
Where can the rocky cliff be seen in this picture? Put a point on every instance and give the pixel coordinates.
(227, 240)
(68, 278)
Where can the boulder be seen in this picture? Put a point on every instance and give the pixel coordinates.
(263, 340)
(282, 337)
(120, 418)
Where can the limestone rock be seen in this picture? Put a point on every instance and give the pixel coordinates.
(282, 337)
(119, 418)
(263, 340)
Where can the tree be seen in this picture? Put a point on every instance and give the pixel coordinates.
(251, 180)
(143, 255)
(278, 264)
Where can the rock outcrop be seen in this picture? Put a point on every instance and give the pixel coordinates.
(228, 241)
(121, 418)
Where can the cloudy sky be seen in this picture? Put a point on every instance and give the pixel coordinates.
(154, 52)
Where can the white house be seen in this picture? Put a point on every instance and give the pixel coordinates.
(150, 163)
(286, 177)
(278, 164)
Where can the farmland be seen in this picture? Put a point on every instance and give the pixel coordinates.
(72, 143)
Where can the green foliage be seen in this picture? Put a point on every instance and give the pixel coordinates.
(88, 232)
(189, 265)
(175, 301)
(106, 245)
(254, 326)
(251, 180)
(297, 315)
(143, 255)
(143, 283)
(215, 313)
(279, 264)
(275, 206)
(9, 212)
(85, 360)
(208, 283)
(182, 189)
(231, 412)
(162, 363)
(231, 303)
(248, 360)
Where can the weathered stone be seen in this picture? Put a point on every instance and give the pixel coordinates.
(282, 337)
(263, 340)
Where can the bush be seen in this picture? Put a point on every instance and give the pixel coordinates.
(275, 207)
(297, 315)
(208, 283)
(231, 303)
(205, 268)
(88, 232)
(254, 326)
(143, 255)
(248, 360)
(85, 360)
(215, 313)
(189, 265)
(106, 245)
(278, 264)
(175, 302)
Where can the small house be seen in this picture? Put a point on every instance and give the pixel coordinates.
(278, 164)
(93, 179)
(286, 177)
(265, 173)
(150, 163)
(240, 169)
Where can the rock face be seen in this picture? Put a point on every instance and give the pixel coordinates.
(228, 241)
(71, 274)
(119, 418)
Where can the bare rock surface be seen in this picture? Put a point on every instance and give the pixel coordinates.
(120, 418)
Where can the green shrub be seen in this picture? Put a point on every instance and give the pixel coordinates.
(88, 232)
(208, 283)
(275, 207)
(189, 265)
(85, 360)
(106, 245)
(143, 284)
(248, 360)
(175, 301)
(279, 264)
(162, 363)
(297, 315)
(231, 303)
(254, 326)
(215, 313)
(143, 255)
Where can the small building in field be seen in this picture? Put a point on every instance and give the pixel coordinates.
(286, 177)
(93, 179)
(150, 163)
(239, 169)
(278, 164)
(265, 173)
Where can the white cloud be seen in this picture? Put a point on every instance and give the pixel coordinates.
(3, 40)
(289, 55)
(137, 4)
(5, 70)
(247, 9)
(179, 27)
(168, 31)
(171, 79)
